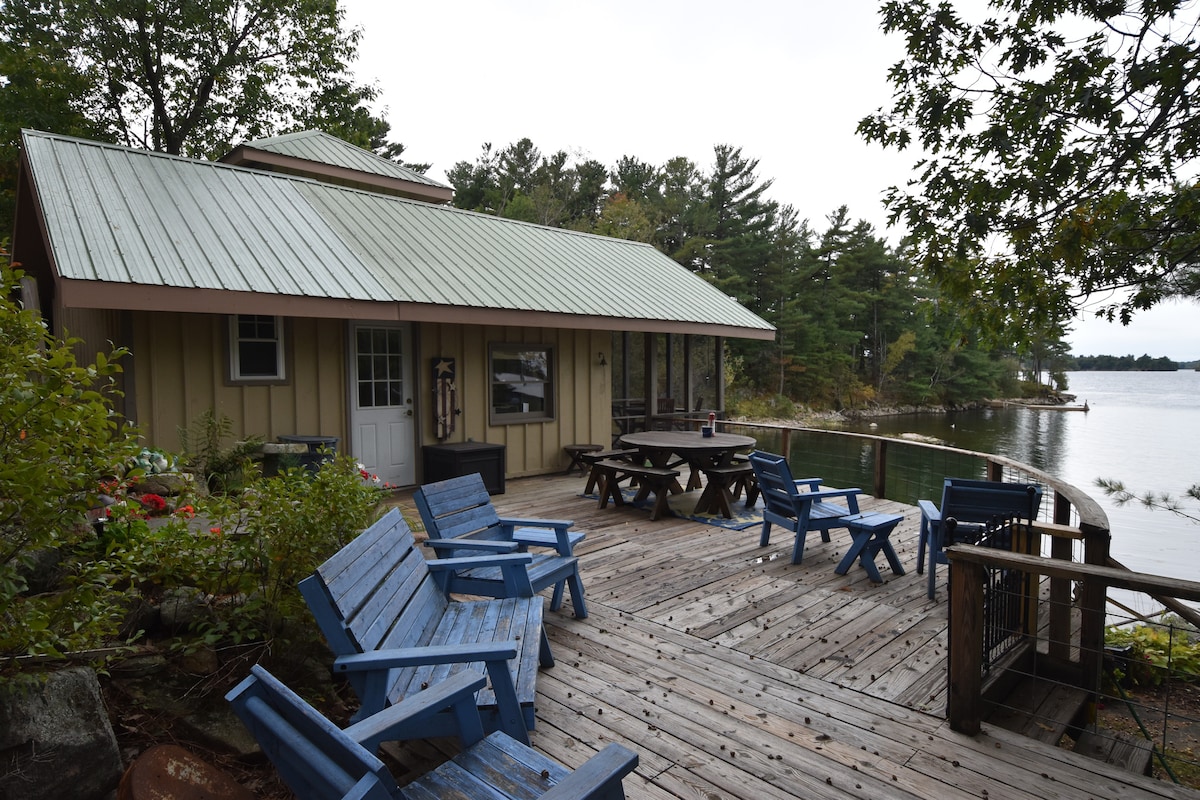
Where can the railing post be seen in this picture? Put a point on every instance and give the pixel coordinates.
(1093, 601)
(881, 449)
(964, 704)
(1059, 612)
(786, 444)
(1060, 603)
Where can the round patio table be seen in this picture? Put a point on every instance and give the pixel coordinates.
(700, 452)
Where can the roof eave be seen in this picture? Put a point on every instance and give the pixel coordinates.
(140, 297)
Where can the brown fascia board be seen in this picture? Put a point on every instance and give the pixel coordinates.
(140, 297)
(249, 157)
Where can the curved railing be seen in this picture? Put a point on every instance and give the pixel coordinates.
(1066, 612)
(908, 470)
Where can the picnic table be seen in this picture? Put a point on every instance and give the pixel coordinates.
(712, 455)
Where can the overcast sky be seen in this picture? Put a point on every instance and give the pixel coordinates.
(786, 81)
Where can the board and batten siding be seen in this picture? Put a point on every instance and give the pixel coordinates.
(98, 331)
(181, 369)
(583, 391)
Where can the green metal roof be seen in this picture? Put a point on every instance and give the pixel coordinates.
(322, 148)
(118, 218)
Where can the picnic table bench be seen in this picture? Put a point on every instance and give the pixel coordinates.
(718, 495)
(386, 614)
(656, 480)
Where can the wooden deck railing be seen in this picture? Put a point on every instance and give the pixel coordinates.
(1066, 608)
(968, 570)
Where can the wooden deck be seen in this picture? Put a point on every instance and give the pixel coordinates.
(735, 674)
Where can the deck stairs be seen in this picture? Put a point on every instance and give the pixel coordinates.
(1048, 711)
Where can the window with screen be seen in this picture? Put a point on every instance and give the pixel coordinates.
(256, 348)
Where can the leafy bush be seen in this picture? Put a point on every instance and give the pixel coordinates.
(1158, 651)
(774, 406)
(59, 436)
(281, 530)
(246, 553)
(220, 466)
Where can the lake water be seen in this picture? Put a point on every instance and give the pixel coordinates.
(1142, 428)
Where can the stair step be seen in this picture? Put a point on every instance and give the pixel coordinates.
(1128, 751)
(1039, 709)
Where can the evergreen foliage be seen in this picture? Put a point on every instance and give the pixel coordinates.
(858, 324)
(1127, 363)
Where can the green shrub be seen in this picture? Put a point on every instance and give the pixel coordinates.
(761, 406)
(1158, 651)
(261, 543)
(220, 466)
(59, 436)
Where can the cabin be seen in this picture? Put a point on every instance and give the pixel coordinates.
(303, 287)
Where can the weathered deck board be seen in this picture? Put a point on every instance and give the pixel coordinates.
(735, 674)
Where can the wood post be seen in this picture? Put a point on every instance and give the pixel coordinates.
(881, 448)
(965, 656)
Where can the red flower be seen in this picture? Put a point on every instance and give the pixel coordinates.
(152, 502)
(186, 511)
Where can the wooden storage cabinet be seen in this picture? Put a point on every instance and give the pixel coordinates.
(443, 461)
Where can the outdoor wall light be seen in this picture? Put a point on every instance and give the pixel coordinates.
(603, 361)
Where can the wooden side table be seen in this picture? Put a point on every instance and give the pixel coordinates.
(576, 451)
(870, 532)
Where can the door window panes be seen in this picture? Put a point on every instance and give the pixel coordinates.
(380, 367)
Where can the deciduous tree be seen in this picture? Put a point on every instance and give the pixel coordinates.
(191, 78)
(1057, 153)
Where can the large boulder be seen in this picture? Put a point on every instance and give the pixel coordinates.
(164, 484)
(55, 738)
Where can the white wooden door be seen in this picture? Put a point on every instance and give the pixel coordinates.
(381, 401)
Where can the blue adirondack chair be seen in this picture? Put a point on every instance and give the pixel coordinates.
(320, 761)
(387, 616)
(459, 518)
(972, 504)
(799, 511)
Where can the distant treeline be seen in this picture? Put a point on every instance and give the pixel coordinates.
(1128, 363)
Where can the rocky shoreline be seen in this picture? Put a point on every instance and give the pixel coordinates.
(809, 418)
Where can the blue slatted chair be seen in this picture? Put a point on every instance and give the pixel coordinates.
(460, 519)
(785, 504)
(972, 504)
(320, 761)
(385, 611)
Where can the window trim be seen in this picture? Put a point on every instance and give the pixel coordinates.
(520, 417)
(235, 339)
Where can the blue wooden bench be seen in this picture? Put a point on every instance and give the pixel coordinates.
(460, 519)
(320, 761)
(386, 614)
(972, 504)
(799, 511)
